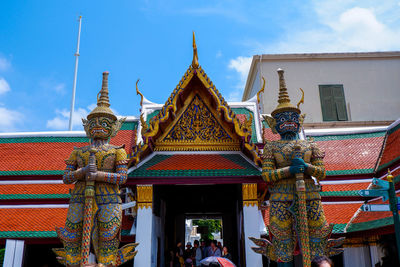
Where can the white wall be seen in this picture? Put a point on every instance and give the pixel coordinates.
(357, 257)
(371, 85)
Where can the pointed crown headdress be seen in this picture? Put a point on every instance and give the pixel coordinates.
(283, 98)
(103, 102)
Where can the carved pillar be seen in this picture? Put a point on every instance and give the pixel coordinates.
(144, 226)
(250, 223)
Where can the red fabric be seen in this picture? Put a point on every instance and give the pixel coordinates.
(225, 262)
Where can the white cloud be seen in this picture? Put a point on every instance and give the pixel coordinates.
(9, 119)
(344, 26)
(242, 66)
(61, 120)
(4, 64)
(4, 86)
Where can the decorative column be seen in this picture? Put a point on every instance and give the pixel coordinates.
(144, 225)
(13, 256)
(251, 223)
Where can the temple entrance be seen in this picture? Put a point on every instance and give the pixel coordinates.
(175, 205)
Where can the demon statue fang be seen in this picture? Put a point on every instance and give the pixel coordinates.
(94, 216)
(297, 223)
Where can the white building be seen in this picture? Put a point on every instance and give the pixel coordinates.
(352, 87)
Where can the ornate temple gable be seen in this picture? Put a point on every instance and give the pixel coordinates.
(194, 80)
(197, 128)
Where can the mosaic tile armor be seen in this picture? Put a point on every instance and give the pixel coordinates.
(297, 222)
(95, 211)
(277, 161)
(111, 162)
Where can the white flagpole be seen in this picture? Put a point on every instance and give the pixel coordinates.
(75, 75)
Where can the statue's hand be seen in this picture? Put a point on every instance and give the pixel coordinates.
(91, 176)
(298, 166)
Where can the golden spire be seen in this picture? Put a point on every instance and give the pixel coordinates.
(283, 98)
(103, 102)
(195, 61)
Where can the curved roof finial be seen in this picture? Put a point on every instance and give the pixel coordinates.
(195, 61)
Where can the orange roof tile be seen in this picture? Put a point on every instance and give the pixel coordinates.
(32, 219)
(39, 219)
(6, 189)
(351, 154)
(48, 154)
(344, 187)
(391, 151)
(340, 213)
(269, 135)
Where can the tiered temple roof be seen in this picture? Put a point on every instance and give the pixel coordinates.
(33, 199)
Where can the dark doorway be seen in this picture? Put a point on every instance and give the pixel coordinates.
(199, 201)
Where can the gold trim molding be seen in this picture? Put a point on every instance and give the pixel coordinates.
(144, 196)
(249, 194)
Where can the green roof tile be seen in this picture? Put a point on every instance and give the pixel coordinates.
(353, 171)
(349, 193)
(34, 172)
(45, 139)
(370, 224)
(33, 196)
(338, 228)
(129, 126)
(348, 136)
(143, 171)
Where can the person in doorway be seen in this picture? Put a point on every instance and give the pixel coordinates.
(179, 261)
(187, 255)
(322, 261)
(203, 248)
(197, 253)
(219, 245)
(226, 254)
(207, 249)
(214, 250)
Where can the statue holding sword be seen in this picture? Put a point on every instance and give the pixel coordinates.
(297, 223)
(94, 215)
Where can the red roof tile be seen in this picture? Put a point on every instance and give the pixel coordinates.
(35, 156)
(391, 151)
(269, 135)
(32, 219)
(7, 189)
(351, 154)
(196, 162)
(344, 187)
(340, 213)
(27, 154)
(39, 219)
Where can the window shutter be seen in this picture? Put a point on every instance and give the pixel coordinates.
(340, 102)
(327, 103)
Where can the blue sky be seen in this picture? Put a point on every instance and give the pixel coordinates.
(151, 40)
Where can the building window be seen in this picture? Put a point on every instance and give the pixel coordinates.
(333, 103)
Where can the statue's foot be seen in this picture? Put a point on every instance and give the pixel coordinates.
(126, 253)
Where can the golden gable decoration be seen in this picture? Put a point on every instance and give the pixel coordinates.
(197, 128)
